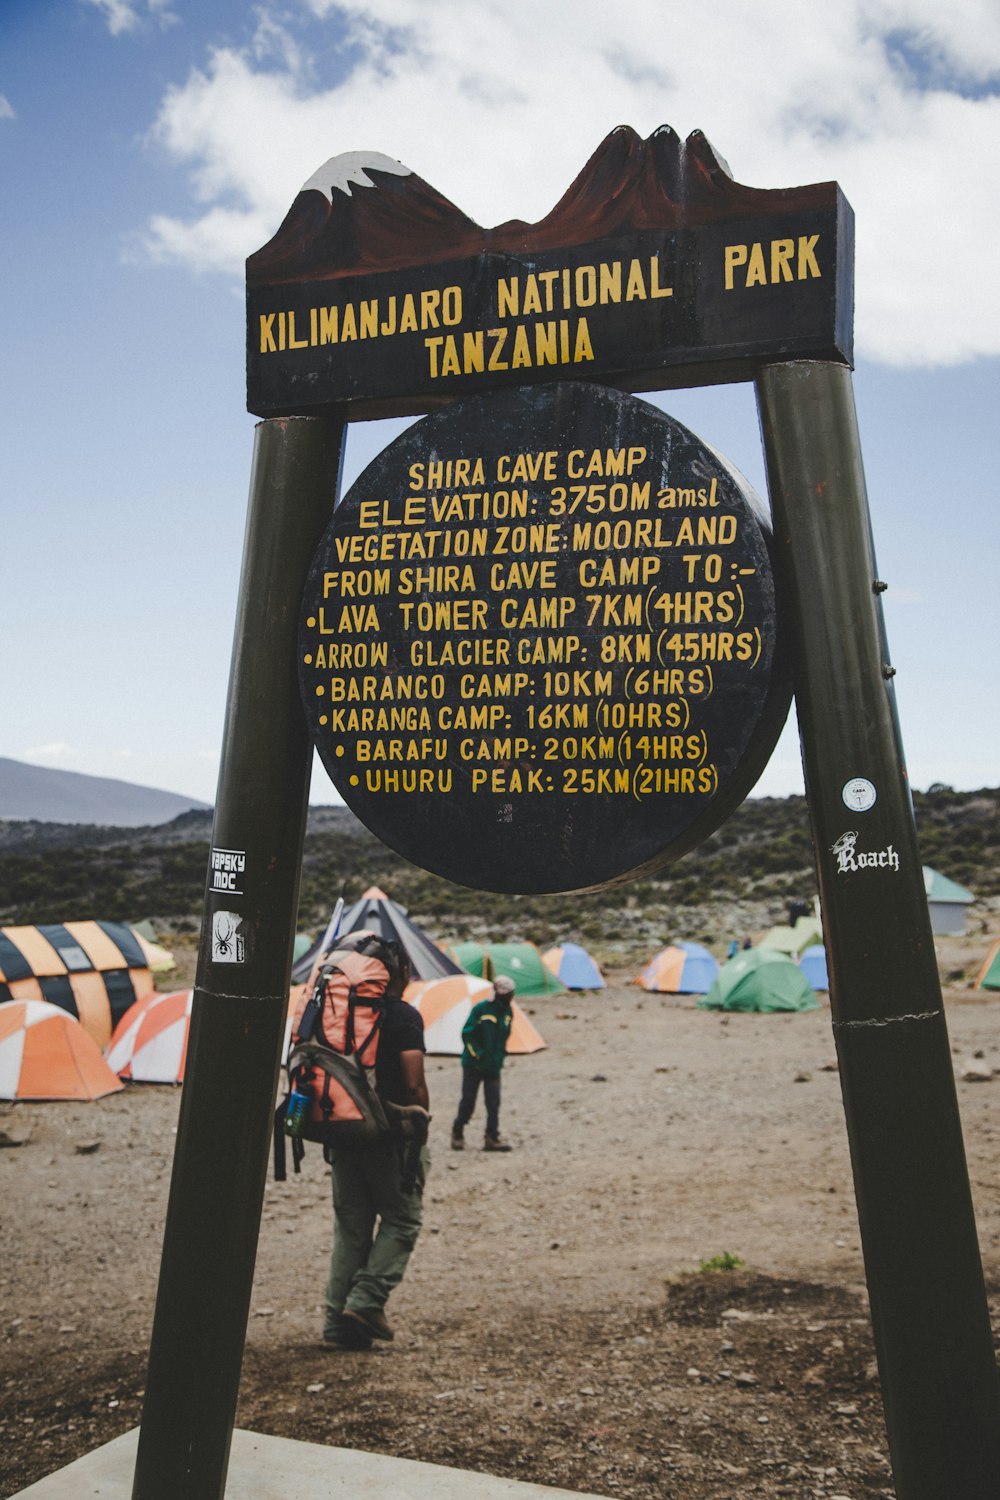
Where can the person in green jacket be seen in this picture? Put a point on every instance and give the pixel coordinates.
(484, 1036)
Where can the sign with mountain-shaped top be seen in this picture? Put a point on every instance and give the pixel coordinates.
(656, 268)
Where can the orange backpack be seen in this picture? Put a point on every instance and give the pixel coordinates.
(332, 1096)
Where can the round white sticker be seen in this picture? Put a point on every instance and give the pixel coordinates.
(859, 794)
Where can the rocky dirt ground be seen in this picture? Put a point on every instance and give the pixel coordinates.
(554, 1324)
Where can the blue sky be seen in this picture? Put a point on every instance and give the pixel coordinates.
(147, 146)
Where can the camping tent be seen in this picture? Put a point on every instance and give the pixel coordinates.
(445, 1005)
(794, 940)
(813, 965)
(150, 1041)
(93, 970)
(680, 969)
(946, 902)
(473, 958)
(159, 960)
(376, 911)
(760, 979)
(46, 1054)
(574, 967)
(521, 962)
(989, 974)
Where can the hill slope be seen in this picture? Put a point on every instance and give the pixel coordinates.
(38, 792)
(740, 880)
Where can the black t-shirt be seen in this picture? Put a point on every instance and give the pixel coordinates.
(402, 1031)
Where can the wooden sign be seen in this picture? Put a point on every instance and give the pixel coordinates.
(538, 644)
(656, 268)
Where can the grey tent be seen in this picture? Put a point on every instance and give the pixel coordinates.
(380, 914)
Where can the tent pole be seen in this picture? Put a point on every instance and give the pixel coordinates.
(925, 1280)
(241, 992)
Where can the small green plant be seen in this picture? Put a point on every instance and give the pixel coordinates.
(727, 1261)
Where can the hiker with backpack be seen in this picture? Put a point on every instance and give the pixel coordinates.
(357, 1058)
(484, 1038)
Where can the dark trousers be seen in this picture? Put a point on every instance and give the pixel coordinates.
(471, 1079)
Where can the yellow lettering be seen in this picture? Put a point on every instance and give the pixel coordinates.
(781, 253)
(583, 349)
(499, 337)
(408, 317)
(472, 351)
(611, 281)
(636, 287)
(655, 289)
(736, 255)
(532, 301)
(508, 297)
(369, 318)
(807, 260)
(586, 286)
(522, 354)
(450, 364)
(756, 269)
(429, 304)
(545, 343)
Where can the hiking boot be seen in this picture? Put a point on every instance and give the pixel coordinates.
(496, 1142)
(345, 1333)
(457, 1138)
(373, 1321)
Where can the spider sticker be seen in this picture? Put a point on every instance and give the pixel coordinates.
(228, 946)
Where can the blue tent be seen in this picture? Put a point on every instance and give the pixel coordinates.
(575, 967)
(680, 969)
(813, 965)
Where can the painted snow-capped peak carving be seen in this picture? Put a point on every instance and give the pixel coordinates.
(351, 169)
(628, 185)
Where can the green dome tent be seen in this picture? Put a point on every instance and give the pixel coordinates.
(521, 962)
(760, 979)
(794, 940)
(472, 957)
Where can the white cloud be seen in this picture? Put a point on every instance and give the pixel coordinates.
(124, 16)
(56, 750)
(499, 107)
(6, 108)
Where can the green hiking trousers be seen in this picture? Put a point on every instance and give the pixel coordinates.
(368, 1261)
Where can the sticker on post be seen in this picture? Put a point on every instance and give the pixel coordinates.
(227, 866)
(228, 944)
(850, 858)
(859, 794)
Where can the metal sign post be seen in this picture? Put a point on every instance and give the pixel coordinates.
(925, 1280)
(241, 992)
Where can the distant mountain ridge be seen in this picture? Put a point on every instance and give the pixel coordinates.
(44, 795)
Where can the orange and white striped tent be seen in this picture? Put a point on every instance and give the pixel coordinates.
(149, 1044)
(93, 970)
(445, 1005)
(46, 1054)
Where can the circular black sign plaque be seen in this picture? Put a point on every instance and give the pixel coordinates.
(538, 641)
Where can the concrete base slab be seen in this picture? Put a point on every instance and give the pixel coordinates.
(275, 1468)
